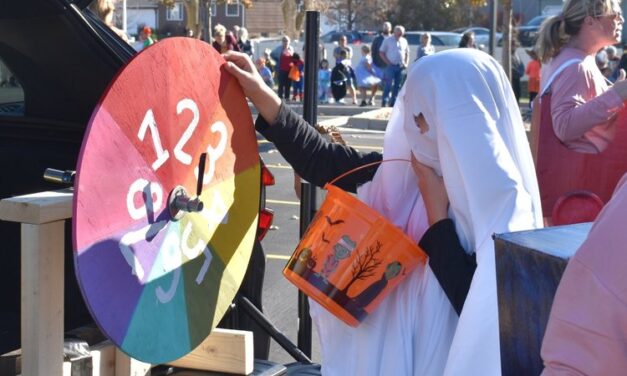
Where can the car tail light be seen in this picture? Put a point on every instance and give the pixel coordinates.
(265, 221)
(265, 215)
(266, 176)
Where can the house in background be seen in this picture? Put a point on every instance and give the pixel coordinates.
(264, 18)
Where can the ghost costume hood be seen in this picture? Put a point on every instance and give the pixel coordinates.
(477, 142)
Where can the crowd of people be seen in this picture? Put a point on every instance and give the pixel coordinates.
(457, 110)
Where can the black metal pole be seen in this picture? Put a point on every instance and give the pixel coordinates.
(308, 203)
(493, 24)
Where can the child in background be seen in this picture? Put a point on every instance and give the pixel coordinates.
(341, 79)
(324, 81)
(533, 72)
(265, 72)
(296, 76)
(366, 77)
(270, 63)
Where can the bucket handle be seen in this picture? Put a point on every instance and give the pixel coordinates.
(366, 166)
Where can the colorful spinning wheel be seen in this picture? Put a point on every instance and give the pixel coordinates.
(158, 267)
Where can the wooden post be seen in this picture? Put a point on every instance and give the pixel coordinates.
(42, 298)
(42, 216)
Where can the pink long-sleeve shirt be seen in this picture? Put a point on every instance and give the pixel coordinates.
(583, 107)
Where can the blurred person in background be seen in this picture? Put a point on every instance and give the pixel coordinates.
(395, 53)
(366, 78)
(583, 105)
(426, 48)
(244, 43)
(285, 59)
(264, 72)
(533, 72)
(518, 71)
(324, 81)
(223, 40)
(105, 10)
(346, 59)
(378, 62)
(468, 40)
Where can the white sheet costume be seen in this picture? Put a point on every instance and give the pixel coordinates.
(477, 141)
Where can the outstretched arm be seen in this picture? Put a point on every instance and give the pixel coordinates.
(311, 156)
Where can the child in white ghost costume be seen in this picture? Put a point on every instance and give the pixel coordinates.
(476, 140)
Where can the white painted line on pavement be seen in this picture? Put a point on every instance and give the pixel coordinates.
(283, 202)
(359, 130)
(367, 147)
(277, 257)
(279, 166)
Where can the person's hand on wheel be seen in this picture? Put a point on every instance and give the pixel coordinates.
(263, 97)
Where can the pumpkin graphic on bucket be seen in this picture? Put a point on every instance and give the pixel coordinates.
(351, 257)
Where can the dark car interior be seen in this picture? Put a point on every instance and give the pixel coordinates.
(56, 60)
(54, 73)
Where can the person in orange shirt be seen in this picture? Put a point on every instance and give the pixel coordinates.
(533, 72)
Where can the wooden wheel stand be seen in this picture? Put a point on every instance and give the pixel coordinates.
(42, 216)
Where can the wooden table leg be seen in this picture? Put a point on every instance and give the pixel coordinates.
(42, 298)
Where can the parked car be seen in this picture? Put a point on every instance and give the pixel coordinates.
(353, 36)
(482, 34)
(438, 38)
(367, 36)
(528, 33)
(56, 60)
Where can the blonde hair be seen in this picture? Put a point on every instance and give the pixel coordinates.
(219, 30)
(242, 34)
(556, 31)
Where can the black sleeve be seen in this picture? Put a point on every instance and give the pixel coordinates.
(452, 266)
(313, 157)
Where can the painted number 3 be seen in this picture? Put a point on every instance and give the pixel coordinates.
(154, 201)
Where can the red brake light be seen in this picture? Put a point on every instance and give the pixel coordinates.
(265, 221)
(266, 176)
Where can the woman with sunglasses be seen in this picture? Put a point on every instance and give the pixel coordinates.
(578, 109)
(583, 104)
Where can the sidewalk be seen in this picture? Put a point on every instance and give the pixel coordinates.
(368, 117)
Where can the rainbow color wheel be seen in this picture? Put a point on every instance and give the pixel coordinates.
(158, 266)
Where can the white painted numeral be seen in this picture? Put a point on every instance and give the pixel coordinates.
(149, 122)
(214, 153)
(153, 194)
(195, 251)
(172, 261)
(216, 212)
(186, 104)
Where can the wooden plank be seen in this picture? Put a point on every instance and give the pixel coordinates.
(38, 208)
(42, 299)
(224, 350)
(126, 366)
(67, 368)
(103, 359)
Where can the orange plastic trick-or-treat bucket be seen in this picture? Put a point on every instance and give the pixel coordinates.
(351, 257)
